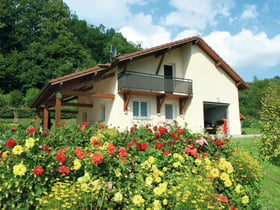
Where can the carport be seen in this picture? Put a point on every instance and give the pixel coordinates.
(216, 117)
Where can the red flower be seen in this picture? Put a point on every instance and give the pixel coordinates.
(45, 147)
(204, 154)
(226, 140)
(10, 143)
(79, 129)
(144, 146)
(150, 130)
(64, 170)
(155, 128)
(159, 146)
(97, 158)
(131, 129)
(62, 123)
(60, 157)
(31, 130)
(38, 170)
(191, 146)
(95, 142)
(166, 153)
(84, 124)
(162, 130)
(176, 137)
(218, 142)
(157, 135)
(13, 129)
(232, 207)
(172, 135)
(100, 126)
(171, 142)
(112, 149)
(79, 153)
(129, 144)
(259, 192)
(123, 161)
(46, 134)
(222, 199)
(122, 152)
(181, 131)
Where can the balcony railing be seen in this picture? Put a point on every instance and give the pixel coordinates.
(154, 83)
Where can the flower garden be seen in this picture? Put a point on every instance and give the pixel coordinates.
(146, 167)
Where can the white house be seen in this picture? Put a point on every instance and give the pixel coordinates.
(185, 80)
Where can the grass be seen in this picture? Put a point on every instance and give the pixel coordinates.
(271, 172)
(251, 131)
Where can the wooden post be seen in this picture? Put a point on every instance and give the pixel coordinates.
(37, 118)
(57, 112)
(46, 117)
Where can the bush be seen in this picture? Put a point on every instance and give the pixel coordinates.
(269, 147)
(155, 167)
(15, 98)
(8, 113)
(246, 123)
(30, 95)
(4, 101)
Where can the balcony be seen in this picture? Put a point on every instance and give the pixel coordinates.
(153, 83)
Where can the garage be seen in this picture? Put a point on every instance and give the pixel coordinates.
(216, 118)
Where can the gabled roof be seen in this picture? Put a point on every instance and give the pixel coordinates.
(51, 84)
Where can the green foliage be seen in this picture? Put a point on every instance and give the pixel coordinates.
(4, 100)
(30, 95)
(8, 113)
(269, 147)
(15, 98)
(250, 100)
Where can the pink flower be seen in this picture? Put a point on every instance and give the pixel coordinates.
(201, 141)
(212, 138)
(110, 185)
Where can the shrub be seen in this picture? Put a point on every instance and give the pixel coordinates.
(270, 143)
(15, 98)
(163, 166)
(246, 123)
(4, 101)
(30, 95)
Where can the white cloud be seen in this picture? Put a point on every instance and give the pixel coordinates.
(187, 33)
(197, 14)
(141, 29)
(250, 12)
(110, 13)
(245, 49)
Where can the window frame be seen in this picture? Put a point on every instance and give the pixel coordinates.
(139, 109)
(173, 111)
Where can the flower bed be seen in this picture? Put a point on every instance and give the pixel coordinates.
(159, 167)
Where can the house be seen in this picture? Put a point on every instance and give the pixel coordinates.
(185, 80)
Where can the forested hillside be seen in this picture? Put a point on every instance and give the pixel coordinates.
(250, 99)
(41, 39)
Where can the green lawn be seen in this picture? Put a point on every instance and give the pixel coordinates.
(271, 172)
(251, 131)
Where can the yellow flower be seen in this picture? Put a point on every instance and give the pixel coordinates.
(118, 197)
(19, 170)
(138, 200)
(207, 161)
(151, 160)
(163, 187)
(165, 169)
(228, 183)
(245, 199)
(158, 179)
(149, 180)
(77, 164)
(29, 143)
(5, 155)
(118, 173)
(177, 164)
(238, 188)
(198, 162)
(165, 202)
(224, 176)
(175, 155)
(157, 191)
(157, 205)
(17, 150)
(215, 172)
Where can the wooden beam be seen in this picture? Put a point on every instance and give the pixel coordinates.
(62, 111)
(183, 104)
(218, 64)
(160, 62)
(74, 104)
(37, 118)
(238, 83)
(126, 97)
(87, 94)
(70, 99)
(46, 118)
(160, 100)
(57, 112)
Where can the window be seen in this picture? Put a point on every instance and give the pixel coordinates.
(84, 117)
(140, 109)
(169, 111)
(102, 113)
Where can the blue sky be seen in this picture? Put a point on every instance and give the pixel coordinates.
(245, 33)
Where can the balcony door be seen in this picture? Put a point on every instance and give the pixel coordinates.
(168, 78)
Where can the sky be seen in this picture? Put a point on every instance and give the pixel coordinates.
(245, 33)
